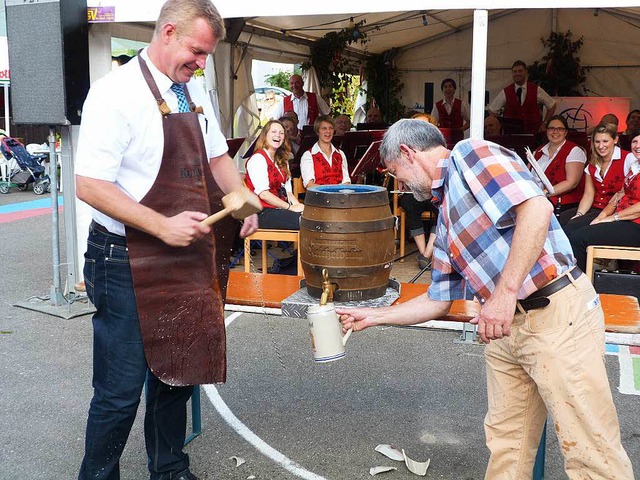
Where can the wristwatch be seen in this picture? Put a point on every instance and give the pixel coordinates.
(615, 217)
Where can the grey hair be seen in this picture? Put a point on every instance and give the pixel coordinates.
(184, 12)
(416, 134)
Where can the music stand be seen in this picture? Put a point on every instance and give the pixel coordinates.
(250, 150)
(371, 126)
(369, 161)
(234, 144)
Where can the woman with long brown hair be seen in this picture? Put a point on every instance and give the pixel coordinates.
(604, 177)
(269, 177)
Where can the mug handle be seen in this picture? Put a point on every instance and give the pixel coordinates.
(346, 336)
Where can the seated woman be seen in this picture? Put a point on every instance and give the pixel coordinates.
(268, 176)
(324, 164)
(563, 164)
(604, 177)
(619, 222)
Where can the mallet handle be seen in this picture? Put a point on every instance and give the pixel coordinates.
(211, 219)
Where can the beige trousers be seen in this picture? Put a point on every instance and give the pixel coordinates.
(554, 362)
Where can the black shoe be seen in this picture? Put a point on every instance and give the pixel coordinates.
(423, 262)
(186, 475)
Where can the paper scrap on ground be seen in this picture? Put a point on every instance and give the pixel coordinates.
(417, 468)
(239, 460)
(390, 451)
(381, 469)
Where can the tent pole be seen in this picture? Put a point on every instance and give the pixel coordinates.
(7, 120)
(478, 72)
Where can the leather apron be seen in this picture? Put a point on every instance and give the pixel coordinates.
(180, 291)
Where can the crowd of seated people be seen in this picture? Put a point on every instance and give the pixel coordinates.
(618, 222)
(582, 190)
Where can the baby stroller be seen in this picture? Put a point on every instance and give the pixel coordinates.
(18, 168)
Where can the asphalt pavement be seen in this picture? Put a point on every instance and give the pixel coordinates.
(286, 416)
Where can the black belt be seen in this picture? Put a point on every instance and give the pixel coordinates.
(539, 298)
(96, 226)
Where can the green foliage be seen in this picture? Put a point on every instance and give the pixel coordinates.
(333, 67)
(559, 72)
(281, 78)
(346, 95)
(384, 85)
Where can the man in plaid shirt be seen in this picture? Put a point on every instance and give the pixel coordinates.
(498, 241)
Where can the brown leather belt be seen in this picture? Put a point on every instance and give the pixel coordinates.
(539, 298)
(96, 226)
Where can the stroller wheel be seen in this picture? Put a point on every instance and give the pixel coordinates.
(39, 188)
(23, 187)
(4, 188)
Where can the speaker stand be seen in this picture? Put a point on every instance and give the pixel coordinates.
(56, 303)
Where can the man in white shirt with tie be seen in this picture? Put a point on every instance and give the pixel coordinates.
(522, 100)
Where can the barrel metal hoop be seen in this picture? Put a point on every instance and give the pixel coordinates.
(346, 227)
(350, 272)
(320, 199)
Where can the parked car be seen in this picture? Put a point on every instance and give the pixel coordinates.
(261, 94)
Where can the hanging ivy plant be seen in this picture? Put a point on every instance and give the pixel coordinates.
(384, 85)
(332, 66)
(559, 72)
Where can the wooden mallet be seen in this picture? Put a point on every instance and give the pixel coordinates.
(240, 204)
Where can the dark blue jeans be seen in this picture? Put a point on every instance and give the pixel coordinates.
(119, 372)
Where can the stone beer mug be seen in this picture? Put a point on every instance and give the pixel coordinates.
(327, 340)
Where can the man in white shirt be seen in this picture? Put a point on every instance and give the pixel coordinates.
(451, 112)
(522, 100)
(152, 163)
(307, 105)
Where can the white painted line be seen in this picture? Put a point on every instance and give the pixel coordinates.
(627, 385)
(252, 309)
(244, 431)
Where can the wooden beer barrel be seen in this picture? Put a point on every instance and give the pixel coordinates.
(347, 229)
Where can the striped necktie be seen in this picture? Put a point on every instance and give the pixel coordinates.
(178, 89)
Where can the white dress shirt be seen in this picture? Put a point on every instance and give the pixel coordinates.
(306, 164)
(301, 107)
(121, 138)
(464, 108)
(543, 98)
(258, 171)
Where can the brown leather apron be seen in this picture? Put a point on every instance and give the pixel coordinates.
(180, 291)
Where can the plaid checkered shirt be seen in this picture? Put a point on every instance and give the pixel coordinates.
(476, 189)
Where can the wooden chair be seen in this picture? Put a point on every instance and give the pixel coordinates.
(298, 188)
(264, 235)
(609, 252)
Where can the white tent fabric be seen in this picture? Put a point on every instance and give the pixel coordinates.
(311, 82)
(246, 122)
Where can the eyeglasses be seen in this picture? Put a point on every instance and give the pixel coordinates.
(556, 129)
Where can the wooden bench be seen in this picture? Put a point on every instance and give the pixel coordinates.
(622, 312)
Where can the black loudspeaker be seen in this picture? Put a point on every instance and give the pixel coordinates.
(486, 97)
(428, 97)
(48, 59)
(617, 282)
